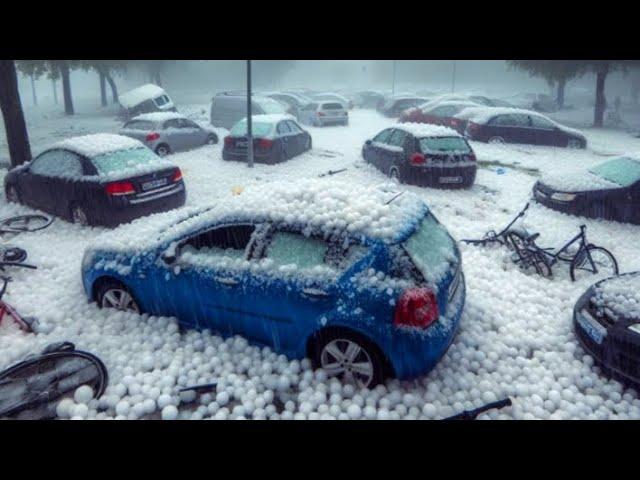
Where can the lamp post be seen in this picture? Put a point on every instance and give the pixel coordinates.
(453, 78)
(393, 86)
(249, 118)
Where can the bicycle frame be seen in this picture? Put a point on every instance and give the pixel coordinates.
(557, 256)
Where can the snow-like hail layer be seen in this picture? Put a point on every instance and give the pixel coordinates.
(578, 181)
(138, 95)
(321, 206)
(158, 117)
(516, 336)
(422, 130)
(270, 117)
(619, 297)
(483, 115)
(98, 144)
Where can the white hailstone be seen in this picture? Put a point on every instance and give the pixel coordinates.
(170, 412)
(354, 411)
(123, 407)
(83, 394)
(299, 416)
(138, 410)
(164, 400)
(429, 410)
(283, 383)
(63, 409)
(369, 412)
(80, 411)
(149, 406)
(188, 396)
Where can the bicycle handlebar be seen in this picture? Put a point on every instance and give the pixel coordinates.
(16, 264)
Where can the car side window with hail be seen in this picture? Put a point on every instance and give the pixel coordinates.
(188, 124)
(283, 128)
(172, 124)
(541, 122)
(397, 138)
(383, 137)
(59, 164)
(228, 241)
(295, 128)
(502, 121)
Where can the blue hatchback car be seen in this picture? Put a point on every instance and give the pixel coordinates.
(365, 282)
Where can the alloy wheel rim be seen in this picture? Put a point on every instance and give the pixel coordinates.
(119, 299)
(79, 216)
(498, 140)
(347, 360)
(162, 152)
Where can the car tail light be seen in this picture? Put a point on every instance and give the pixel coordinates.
(152, 136)
(417, 159)
(177, 175)
(472, 127)
(119, 188)
(321, 114)
(455, 122)
(228, 142)
(265, 143)
(418, 307)
(471, 157)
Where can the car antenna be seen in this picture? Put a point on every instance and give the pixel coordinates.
(332, 172)
(394, 197)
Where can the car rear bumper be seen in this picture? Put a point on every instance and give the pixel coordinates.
(241, 156)
(442, 177)
(125, 210)
(414, 352)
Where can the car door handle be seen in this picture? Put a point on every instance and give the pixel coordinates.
(314, 293)
(227, 281)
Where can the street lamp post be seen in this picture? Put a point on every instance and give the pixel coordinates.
(249, 119)
(453, 78)
(393, 86)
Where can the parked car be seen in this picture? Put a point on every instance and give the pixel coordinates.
(299, 267)
(426, 155)
(145, 99)
(610, 190)
(443, 113)
(228, 108)
(276, 138)
(333, 97)
(510, 125)
(533, 101)
(168, 132)
(294, 102)
(321, 113)
(606, 321)
(99, 179)
(368, 99)
(394, 106)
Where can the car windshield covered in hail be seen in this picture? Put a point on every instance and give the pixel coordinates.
(123, 159)
(260, 129)
(624, 171)
(444, 144)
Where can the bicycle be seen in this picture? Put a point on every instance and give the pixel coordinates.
(492, 237)
(16, 225)
(27, 324)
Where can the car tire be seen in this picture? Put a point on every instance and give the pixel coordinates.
(394, 174)
(79, 216)
(163, 150)
(111, 293)
(309, 144)
(329, 351)
(211, 140)
(12, 194)
(497, 140)
(574, 144)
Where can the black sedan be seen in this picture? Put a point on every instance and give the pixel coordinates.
(426, 155)
(276, 138)
(610, 191)
(606, 320)
(509, 125)
(97, 179)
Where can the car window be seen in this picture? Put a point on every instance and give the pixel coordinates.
(541, 122)
(123, 159)
(175, 123)
(269, 105)
(310, 107)
(294, 249)
(444, 144)
(623, 170)
(258, 129)
(332, 106)
(161, 100)
(139, 125)
(444, 111)
(228, 241)
(397, 138)
(184, 123)
(283, 128)
(57, 163)
(295, 128)
(383, 137)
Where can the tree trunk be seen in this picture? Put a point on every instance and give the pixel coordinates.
(33, 91)
(635, 89)
(103, 89)
(560, 96)
(66, 88)
(14, 124)
(601, 102)
(114, 88)
(55, 90)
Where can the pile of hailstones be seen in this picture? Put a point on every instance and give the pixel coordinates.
(251, 383)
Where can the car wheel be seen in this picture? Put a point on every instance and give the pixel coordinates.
(79, 216)
(212, 140)
(12, 194)
(574, 143)
(163, 150)
(394, 174)
(308, 145)
(497, 140)
(113, 294)
(349, 357)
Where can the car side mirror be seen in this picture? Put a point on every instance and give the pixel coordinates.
(368, 142)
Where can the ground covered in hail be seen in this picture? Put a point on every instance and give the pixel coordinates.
(515, 337)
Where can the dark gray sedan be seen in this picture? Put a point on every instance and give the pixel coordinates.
(167, 132)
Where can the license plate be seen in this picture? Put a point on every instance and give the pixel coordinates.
(154, 184)
(450, 179)
(241, 144)
(591, 326)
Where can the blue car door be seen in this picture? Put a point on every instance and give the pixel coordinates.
(298, 292)
(205, 286)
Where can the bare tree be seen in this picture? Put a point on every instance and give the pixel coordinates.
(14, 124)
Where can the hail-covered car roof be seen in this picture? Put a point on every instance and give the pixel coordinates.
(98, 144)
(140, 94)
(318, 206)
(619, 297)
(270, 117)
(421, 130)
(158, 117)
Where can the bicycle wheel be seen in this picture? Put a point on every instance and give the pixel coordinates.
(541, 265)
(13, 255)
(593, 261)
(25, 223)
